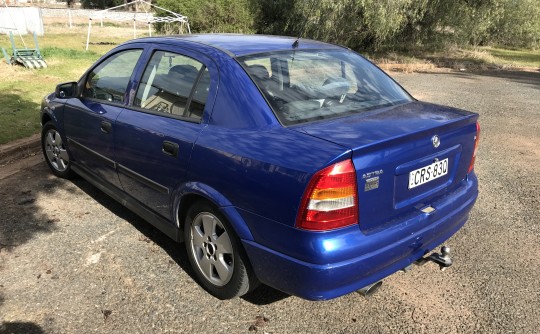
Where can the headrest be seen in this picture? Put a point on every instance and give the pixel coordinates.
(183, 70)
(259, 71)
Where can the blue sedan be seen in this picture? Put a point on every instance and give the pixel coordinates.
(288, 162)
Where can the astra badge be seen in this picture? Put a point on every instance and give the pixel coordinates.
(436, 141)
(372, 174)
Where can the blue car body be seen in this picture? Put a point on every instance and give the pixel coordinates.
(255, 169)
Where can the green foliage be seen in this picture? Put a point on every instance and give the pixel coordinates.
(206, 16)
(404, 24)
(476, 23)
(101, 4)
(373, 24)
(364, 24)
(518, 25)
(356, 23)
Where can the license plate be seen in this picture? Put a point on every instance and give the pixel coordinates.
(428, 173)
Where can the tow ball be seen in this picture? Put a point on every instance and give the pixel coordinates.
(443, 259)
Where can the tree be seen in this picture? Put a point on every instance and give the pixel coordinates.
(356, 23)
(518, 25)
(233, 16)
(371, 24)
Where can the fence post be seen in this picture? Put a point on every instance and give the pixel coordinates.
(88, 36)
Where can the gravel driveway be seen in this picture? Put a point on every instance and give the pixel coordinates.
(74, 261)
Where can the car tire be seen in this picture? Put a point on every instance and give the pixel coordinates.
(54, 150)
(215, 253)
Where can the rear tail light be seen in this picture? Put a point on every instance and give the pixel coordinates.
(476, 139)
(330, 200)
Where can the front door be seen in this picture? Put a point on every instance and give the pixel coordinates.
(89, 120)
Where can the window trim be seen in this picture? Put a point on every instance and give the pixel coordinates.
(167, 115)
(194, 88)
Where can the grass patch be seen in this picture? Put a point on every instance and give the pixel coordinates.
(517, 57)
(63, 53)
(22, 89)
(18, 118)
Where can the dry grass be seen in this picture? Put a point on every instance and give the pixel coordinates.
(406, 67)
(456, 59)
(428, 63)
(395, 62)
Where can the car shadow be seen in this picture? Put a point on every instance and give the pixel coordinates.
(20, 328)
(21, 218)
(524, 77)
(173, 249)
(263, 295)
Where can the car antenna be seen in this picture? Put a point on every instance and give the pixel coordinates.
(297, 40)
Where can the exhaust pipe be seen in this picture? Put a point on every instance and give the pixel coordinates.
(368, 290)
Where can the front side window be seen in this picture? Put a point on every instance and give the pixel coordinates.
(308, 85)
(174, 84)
(109, 80)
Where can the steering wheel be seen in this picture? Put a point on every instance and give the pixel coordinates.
(335, 90)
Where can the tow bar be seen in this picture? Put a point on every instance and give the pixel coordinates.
(443, 259)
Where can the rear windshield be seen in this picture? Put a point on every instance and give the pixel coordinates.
(308, 85)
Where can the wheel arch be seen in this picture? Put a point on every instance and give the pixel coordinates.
(192, 192)
(45, 118)
(51, 110)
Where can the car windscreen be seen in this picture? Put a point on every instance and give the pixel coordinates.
(308, 85)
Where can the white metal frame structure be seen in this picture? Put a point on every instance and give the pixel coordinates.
(146, 17)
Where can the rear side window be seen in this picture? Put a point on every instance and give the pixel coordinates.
(109, 80)
(174, 84)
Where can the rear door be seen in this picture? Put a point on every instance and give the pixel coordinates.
(89, 119)
(156, 133)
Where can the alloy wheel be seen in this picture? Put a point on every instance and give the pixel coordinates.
(212, 249)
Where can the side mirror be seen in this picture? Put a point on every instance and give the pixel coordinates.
(66, 90)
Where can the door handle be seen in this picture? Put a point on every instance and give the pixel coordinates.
(170, 148)
(106, 127)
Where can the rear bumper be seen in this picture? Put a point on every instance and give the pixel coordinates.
(347, 260)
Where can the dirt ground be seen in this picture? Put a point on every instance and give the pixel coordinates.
(74, 261)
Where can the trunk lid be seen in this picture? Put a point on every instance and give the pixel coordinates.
(390, 143)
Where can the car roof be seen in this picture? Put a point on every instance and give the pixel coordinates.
(240, 45)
